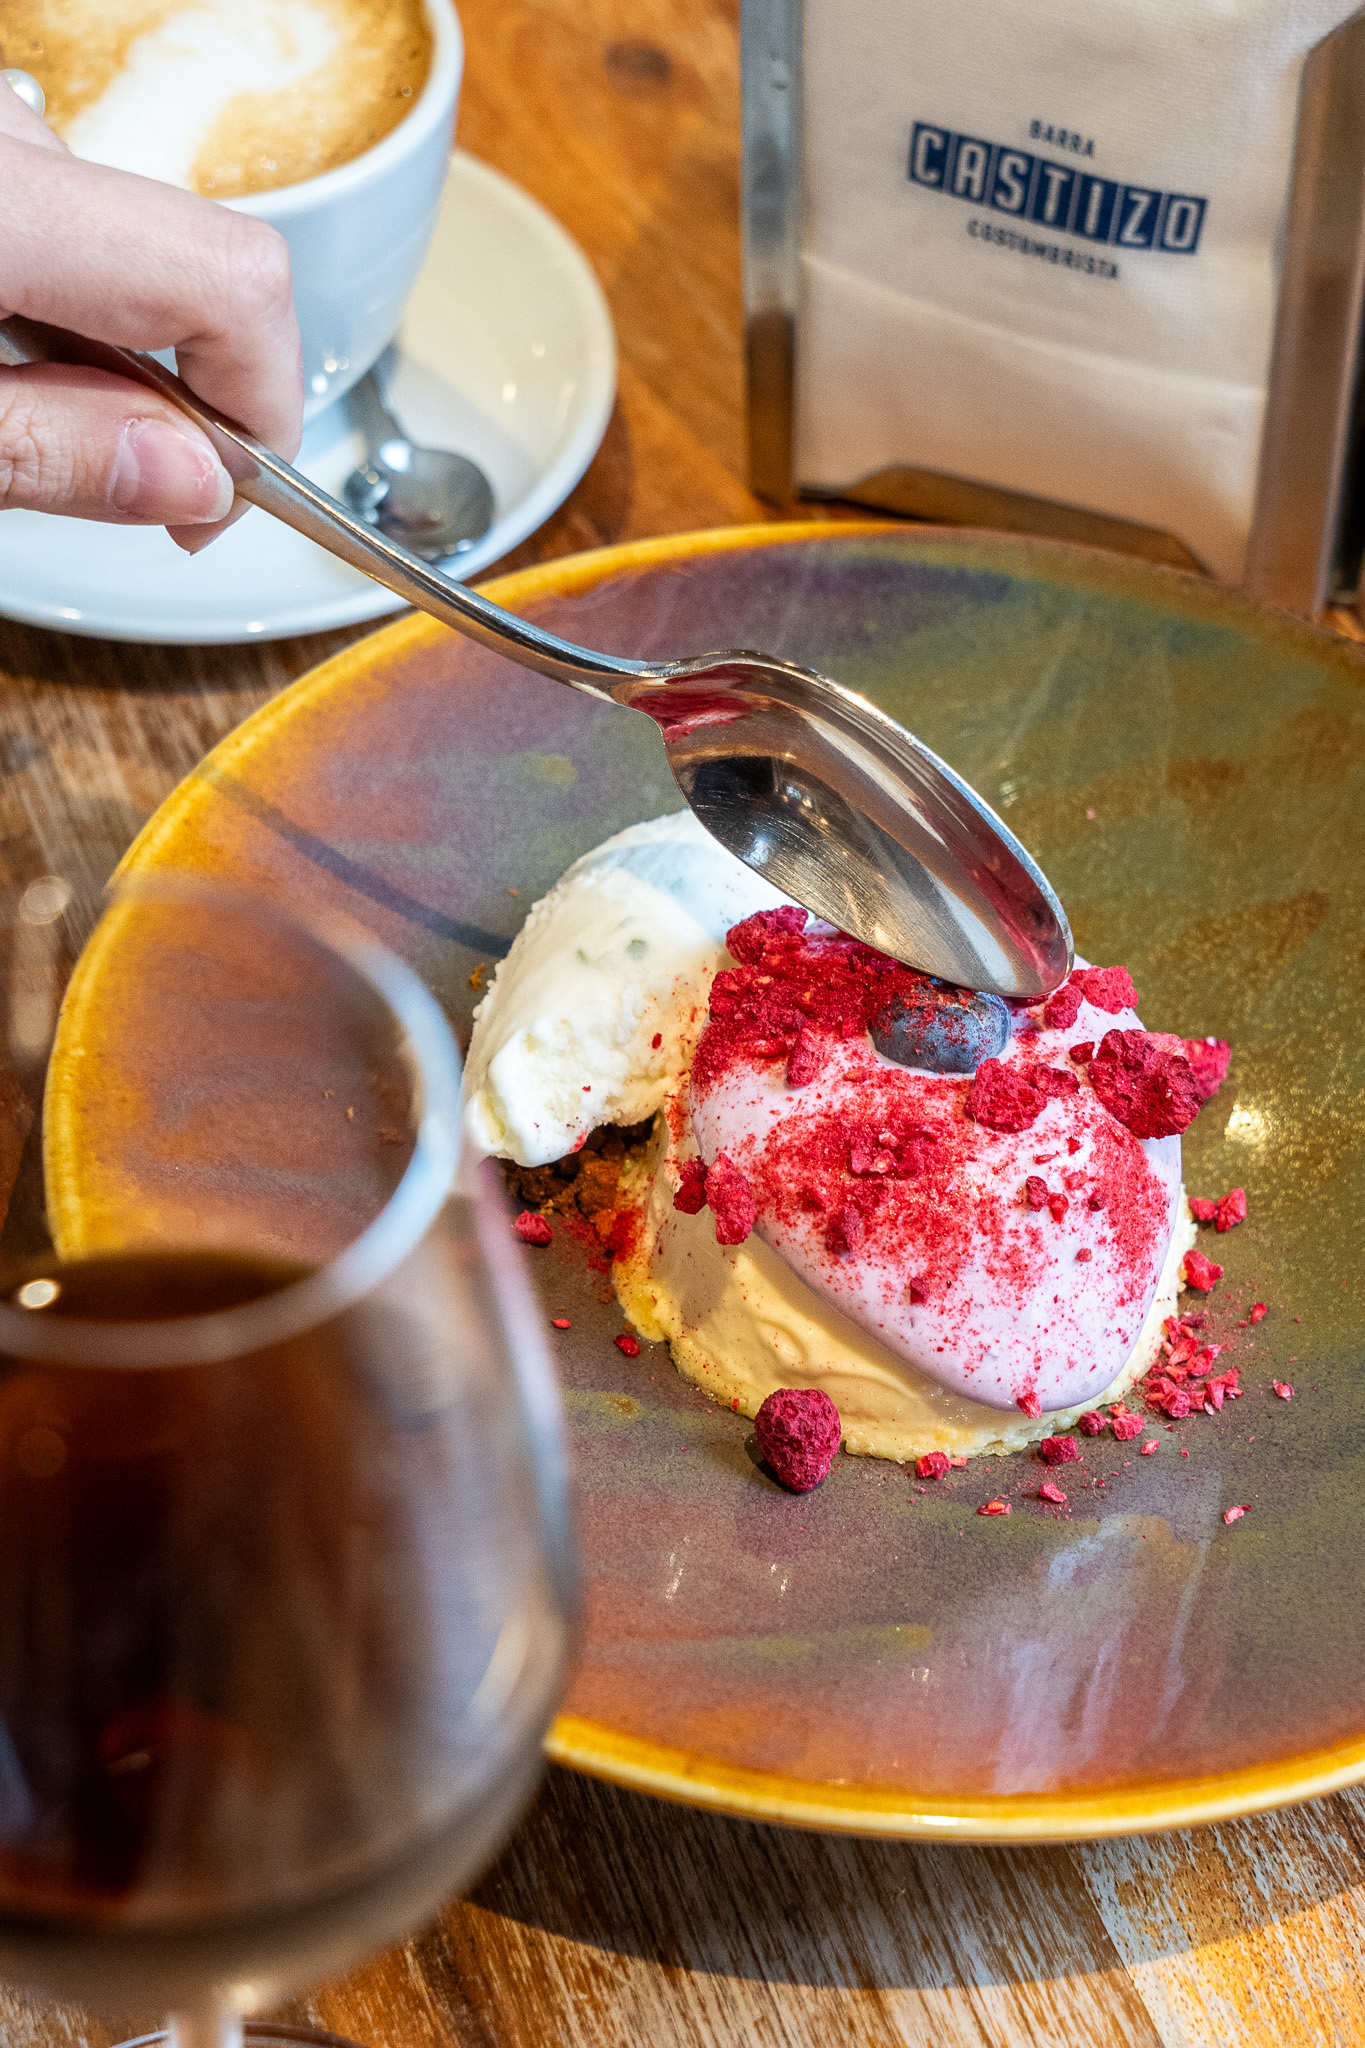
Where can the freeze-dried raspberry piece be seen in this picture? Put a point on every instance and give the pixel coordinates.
(1259, 1311)
(1083, 1053)
(747, 942)
(1223, 1387)
(805, 1059)
(932, 1465)
(1236, 1514)
(1063, 1006)
(1170, 1398)
(1209, 1060)
(1198, 1272)
(1145, 1087)
(1035, 1192)
(798, 1432)
(1126, 1426)
(1012, 1098)
(691, 1195)
(995, 1507)
(630, 1345)
(1283, 1389)
(1107, 988)
(1227, 1211)
(560, 1323)
(1091, 1423)
(1149, 1449)
(1084, 1255)
(1050, 1491)
(532, 1229)
(916, 1290)
(1030, 1404)
(1004, 1098)
(1056, 1207)
(845, 1230)
(1059, 1450)
(730, 1197)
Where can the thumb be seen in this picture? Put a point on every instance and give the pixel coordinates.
(92, 446)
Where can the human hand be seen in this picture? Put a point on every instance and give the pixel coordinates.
(143, 265)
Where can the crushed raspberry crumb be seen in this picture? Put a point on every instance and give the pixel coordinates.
(798, 1432)
(1107, 988)
(630, 1345)
(560, 1323)
(845, 1230)
(1057, 1207)
(1236, 1514)
(916, 1291)
(1127, 1426)
(805, 1059)
(1259, 1311)
(1013, 1098)
(1144, 1086)
(734, 1405)
(1084, 1255)
(1152, 1445)
(729, 1195)
(691, 1195)
(957, 1461)
(1049, 1490)
(995, 1507)
(532, 1229)
(1199, 1272)
(1035, 1192)
(932, 1465)
(1283, 1389)
(1063, 1007)
(1030, 1404)
(1227, 1212)
(1209, 1060)
(1083, 1053)
(748, 942)
(1059, 1450)
(1091, 1423)
(1095, 1200)
(656, 1041)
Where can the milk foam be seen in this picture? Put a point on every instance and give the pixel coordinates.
(179, 78)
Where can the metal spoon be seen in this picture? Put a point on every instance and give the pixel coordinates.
(430, 500)
(802, 779)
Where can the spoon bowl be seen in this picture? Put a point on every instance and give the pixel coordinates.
(430, 500)
(803, 780)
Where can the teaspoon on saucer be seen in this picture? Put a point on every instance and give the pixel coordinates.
(803, 780)
(430, 500)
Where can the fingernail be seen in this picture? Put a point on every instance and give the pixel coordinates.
(168, 477)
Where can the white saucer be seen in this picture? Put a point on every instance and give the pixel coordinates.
(507, 353)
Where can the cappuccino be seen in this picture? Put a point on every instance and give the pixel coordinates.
(224, 97)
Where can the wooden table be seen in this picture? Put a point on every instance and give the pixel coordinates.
(612, 1919)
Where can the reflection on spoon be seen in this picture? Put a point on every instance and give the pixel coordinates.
(431, 501)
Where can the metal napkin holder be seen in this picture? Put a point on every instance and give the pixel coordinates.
(1307, 539)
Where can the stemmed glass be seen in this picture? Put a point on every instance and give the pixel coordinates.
(286, 1577)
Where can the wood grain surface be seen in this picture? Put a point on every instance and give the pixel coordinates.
(610, 1918)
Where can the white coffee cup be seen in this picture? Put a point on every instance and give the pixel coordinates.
(357, 235)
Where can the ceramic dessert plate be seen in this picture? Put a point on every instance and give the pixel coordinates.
(877, 1655)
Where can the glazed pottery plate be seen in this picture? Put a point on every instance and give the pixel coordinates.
(878, 1655)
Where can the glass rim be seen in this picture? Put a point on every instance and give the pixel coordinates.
(370, 1257)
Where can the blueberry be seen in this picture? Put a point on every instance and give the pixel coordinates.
(948, 1030)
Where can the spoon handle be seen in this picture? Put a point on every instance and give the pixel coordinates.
(265, 479)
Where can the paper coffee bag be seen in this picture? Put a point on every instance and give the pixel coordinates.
(1040, 247)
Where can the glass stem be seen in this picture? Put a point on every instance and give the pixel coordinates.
(211, 2028)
